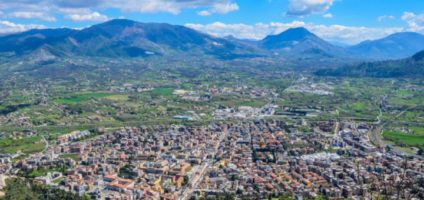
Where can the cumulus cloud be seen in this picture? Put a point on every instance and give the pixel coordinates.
(223, 8)
(220, 8)
(415, 21)
(339, 33)
(385, 17)
(7, 27)
(328, 15)
(32, 15)
(94, 16)
(244, 31)
(308, 7)
(204, 13)
(144, 6)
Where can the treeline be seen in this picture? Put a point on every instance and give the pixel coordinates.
(21, 189)
(12, 108)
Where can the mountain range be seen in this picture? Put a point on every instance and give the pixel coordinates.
(395, 46)
(121, 38)
(126, 38)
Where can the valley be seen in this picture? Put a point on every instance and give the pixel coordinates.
(130, 110)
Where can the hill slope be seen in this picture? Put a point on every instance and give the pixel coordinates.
(395, 46)
(299, 41)
(122, 38)
(410, 67)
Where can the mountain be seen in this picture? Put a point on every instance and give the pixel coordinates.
(33, 39)
(122, 38)
(419, 57)
(300, 42)
(409, 67)
(395, 46)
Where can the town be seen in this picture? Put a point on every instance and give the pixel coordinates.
(211, 100)
(251, 159)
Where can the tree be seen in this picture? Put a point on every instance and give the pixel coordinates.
(186, 180)
(18, 189)
(21, 189)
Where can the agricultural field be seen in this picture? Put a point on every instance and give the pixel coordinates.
(405, 136)
(78, 98)
(26, 145)
(87, 107)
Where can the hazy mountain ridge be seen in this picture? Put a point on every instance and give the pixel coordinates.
(123, 38)
(126, 39)
(395, 46)
(409, 67)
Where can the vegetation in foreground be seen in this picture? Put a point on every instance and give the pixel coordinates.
(21, 189)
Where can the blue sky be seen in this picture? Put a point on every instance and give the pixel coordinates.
(345, 21)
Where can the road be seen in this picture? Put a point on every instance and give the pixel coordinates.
(47, 143)
(376, 133)
(200, 172)
(336, 129)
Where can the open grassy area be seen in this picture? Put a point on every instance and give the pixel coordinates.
(118, 97)
(162, 91)
(44, 171)
(415, 137)
(78, 98)
(39, 172)
(358, 106)
(26, 145)
(72, 156)
(58, 180)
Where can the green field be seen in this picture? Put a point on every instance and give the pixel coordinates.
(414, 138)
(78, 98)
(358, 106)
(162, 91)
(26, 145)
(44, 171)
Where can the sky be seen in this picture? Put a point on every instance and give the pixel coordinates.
(338, 21)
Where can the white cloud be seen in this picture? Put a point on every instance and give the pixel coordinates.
(339, 33)
(223, 8)
(204, 13)
(94, 16)
(385, 17)
(308, 7)
(415, 21)
(174, 6)
(31, 15)
(7, 27)
(54, 7)
(219, 8)
(244, 31)
(145, 6)
(328, 15)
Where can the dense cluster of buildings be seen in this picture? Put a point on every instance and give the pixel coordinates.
(252, 159)
(309, 86)
(245, 112)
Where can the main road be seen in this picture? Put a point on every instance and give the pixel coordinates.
(199, 172)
